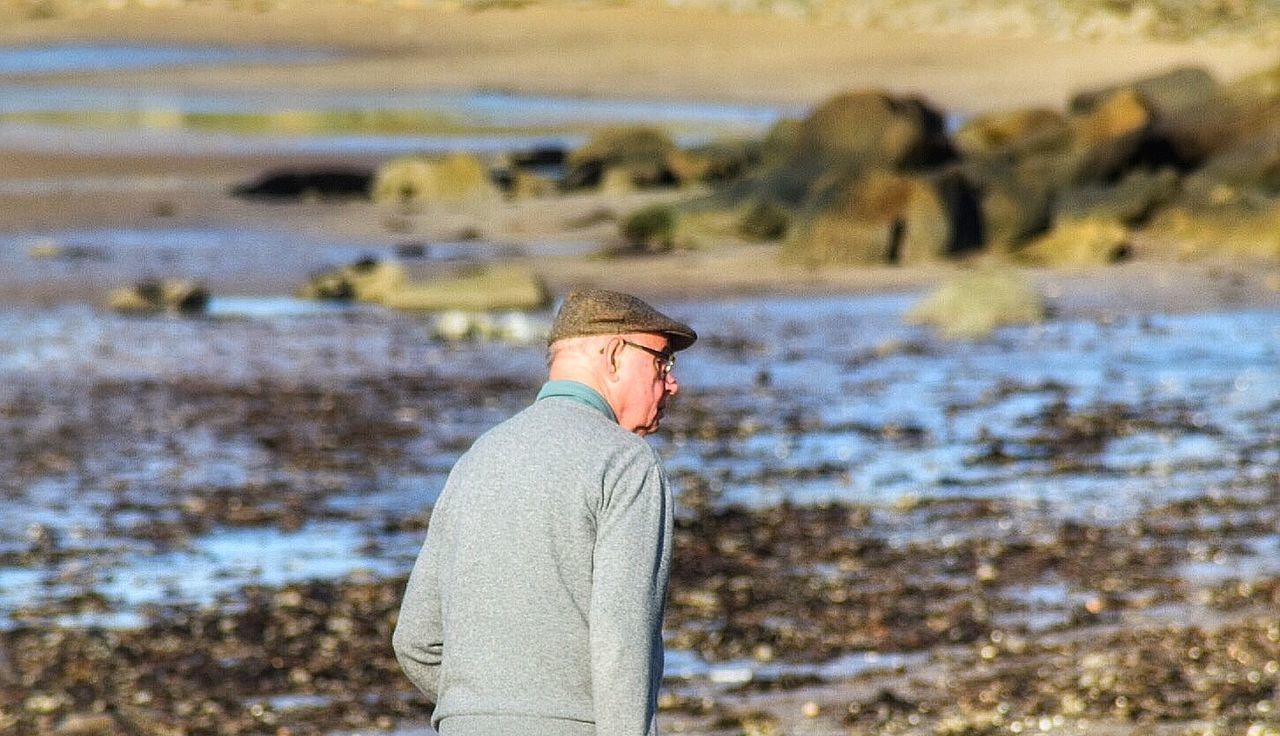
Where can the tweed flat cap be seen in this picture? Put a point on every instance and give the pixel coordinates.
(600, 312)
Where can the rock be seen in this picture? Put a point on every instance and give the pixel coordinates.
(639, 152)
(1130, 201)
(713, 162)
(456, 325)
(802, 163)
(454, 178)
(1015, 202)
(87, 724)
(542, 156)
(412, 249)
(43, 703)
(873, 128)
(495, 287)
(888, 218)
(1232, 229)
(1164, 94)
(617, 180)
(153, 296)
(779, 143)
(290, 184)
(529, 185)
(1013, 133)
(976, 303)
(366, 280)
(1196, 131)
(1106, 140)
(50, 249)
(1250, 169)
(1086, 241)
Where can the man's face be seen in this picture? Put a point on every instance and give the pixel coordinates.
(646, 381)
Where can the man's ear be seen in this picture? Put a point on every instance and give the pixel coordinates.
(610, 352)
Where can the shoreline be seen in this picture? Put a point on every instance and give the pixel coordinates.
(627, 51)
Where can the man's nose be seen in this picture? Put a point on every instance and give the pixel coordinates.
(673, 385)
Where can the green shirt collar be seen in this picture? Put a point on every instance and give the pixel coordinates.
(579, 392)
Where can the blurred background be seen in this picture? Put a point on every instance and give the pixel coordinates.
(981, 436)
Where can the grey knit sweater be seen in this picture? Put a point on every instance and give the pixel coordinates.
(535, 607)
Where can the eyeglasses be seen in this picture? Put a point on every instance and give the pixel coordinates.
(666, 358)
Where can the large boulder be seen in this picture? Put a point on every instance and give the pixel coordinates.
(1107, 139)
(1013, 133)
(885, 217)
(1200, 127)
(1129, 201)
(638, 154)
(1248, 170)
(1164, 94)
(455, 178)
(976, 303)
(874, 129)
(843, 138)
(486, 288)
(1014, 198)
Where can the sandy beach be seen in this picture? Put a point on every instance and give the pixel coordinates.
(205, 524)
(636, 51)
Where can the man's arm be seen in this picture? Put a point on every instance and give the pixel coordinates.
(630, 570)
(419, 636)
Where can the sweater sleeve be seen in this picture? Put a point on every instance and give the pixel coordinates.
(418, 640)
(630, 569)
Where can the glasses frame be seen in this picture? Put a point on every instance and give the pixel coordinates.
(666, 358)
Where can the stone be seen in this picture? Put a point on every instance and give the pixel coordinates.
(87, 724)
(1164, 94)
(1106, 139)
(1130, 201)
(640, 152)
(295, 184)
(883, 218)
(455, 178)
(153, 296)
(1086, 241)
(1233, 229)
(713, 162)
(366, 280)
(874, 128)
(974, 304)
(489, 288)
(1013, 133)
(1014, 201)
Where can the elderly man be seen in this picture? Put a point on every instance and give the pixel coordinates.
(535, 607)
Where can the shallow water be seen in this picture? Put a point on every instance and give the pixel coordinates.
(100, 57)
(835, 399)
(95, 119)
(39, 116)
(246, 265)
(784, 401)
